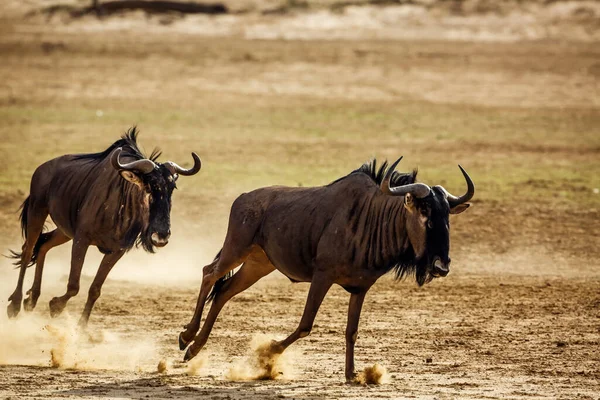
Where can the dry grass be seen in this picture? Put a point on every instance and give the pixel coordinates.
(522, 118)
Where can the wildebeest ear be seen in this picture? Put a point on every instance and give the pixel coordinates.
(460, 208)
(409, 201)
(133, 178)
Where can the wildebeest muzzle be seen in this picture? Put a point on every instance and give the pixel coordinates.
(159, 239)
(439, 268)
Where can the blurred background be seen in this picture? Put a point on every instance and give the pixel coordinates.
(301, 92)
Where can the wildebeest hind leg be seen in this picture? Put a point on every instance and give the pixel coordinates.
(50, 240)
(35, 224)
(225, 262)
(318, 289)
(256, 266)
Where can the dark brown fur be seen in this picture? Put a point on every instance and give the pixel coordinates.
(348, 233)
(95, 205)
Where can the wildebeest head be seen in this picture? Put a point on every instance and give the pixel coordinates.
(427, 222)
(157, 181)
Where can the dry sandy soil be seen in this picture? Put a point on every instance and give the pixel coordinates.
(518, 316)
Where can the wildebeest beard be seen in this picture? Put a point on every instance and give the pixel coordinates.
(408, 265)
(139, 233)
(144, 240)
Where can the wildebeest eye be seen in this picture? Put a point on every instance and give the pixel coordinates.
(430, 224)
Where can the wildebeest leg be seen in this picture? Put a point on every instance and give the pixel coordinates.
(227, 261)
(318, 289)
(50, 240)
(354, 308)
(106, 265)
(35, 223)
(57, 304)
(256, 266)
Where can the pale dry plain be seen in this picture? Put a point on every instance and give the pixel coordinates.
(519, 314)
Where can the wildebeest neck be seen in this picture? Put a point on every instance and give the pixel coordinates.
(380, 237)
(99, 193)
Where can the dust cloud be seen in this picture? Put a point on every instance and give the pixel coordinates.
(180, 262)
(163, 366)
(33, 340)
(375, 375)
(195, 365)
(262, 364)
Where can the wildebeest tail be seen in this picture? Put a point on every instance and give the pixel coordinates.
(220, 282)
(23, 217)
(41, 240)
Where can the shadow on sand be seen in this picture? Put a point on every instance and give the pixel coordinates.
(178, 387)
(108, 8)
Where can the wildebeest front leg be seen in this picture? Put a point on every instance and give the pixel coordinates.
(57, 304)
(52, 239)
(106, 266)
(318, 289)
(354, 308)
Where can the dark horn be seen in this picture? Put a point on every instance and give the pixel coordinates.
(186, 172)
(144, 166)
(419, 190)
(385, 183)
(455, 201)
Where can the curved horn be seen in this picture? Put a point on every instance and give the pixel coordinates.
(419, 190)
(144, 166)
(185, 172)
(455, 201)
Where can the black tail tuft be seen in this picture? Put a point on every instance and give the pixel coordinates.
(220, 282)
(36, 250)
(23, 217)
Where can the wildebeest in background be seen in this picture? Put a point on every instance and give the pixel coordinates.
(112, 200)
(350, 232)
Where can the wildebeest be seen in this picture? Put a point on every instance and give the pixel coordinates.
(350, 232)
(112, 200)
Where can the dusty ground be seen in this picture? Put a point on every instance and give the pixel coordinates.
(507, 336)
(519, 315)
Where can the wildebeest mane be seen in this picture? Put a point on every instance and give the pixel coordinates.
(398, 179)
(130, 147)
(370, 169)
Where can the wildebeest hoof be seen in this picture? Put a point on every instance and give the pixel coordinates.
(56, 307)
(351, 379)
(13, 308)
(189, 354)
(82, 324)
(275, 347)
(29, 304)
(182, 342)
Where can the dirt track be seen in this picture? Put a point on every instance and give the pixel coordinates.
(506, 336)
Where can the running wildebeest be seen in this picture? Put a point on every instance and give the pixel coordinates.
(350, 232)
(112, 200)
